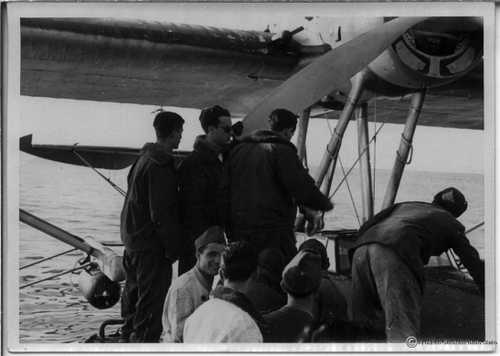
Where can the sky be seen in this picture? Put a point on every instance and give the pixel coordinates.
(63, 121)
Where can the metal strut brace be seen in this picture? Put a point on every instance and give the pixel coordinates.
(87, 163)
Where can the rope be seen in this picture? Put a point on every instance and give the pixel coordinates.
(116, 187)
(374, 175)
(350, 193)
(474, 227)
(357, 160)
(58, 275)
(47, 258)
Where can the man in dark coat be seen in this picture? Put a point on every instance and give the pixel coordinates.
(150, 231)
(200, 175)
(301, 280)
(264, 290)
(390, 254)
(330, 305)
(264, 183)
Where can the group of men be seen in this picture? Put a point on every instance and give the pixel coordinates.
(228, 211)
(249, 187)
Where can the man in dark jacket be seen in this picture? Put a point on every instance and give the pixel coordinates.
(265, 291)
(200, 175)
(389, 258)
(150, 231)
(265, 183)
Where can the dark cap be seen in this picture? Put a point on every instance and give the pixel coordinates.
(314, 246)
(302, 276)
(272, 260)
(452, 200)
(213, 234)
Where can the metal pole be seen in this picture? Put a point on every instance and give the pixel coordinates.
(54, 231)
(405, 145)
(333, 147)
(302, 136)
(365, 170)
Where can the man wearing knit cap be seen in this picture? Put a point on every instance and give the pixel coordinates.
(301, 280)
(265, 291)
(389, 257)
(330, 305)
(192, 288)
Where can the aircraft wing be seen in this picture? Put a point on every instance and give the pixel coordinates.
(191, 66)
(131, 61)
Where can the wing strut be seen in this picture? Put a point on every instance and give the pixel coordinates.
(364, 154)
(405, 144)
(302, 135)
(333, 147)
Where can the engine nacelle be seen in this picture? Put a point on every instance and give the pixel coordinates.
(431, 54)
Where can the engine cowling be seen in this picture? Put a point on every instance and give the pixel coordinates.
(432, 54)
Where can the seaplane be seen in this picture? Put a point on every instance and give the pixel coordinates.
(319, 67)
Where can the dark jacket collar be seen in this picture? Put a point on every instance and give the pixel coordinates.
(242, 302)
(206, 149)
(157, 153)
(267, 136)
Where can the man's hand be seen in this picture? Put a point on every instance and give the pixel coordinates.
(315, 220)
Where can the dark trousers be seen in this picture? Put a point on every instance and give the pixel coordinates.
(283, 240)
(385, 290)
(149, 274)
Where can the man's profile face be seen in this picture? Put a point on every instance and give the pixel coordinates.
(176, 136)
(221, 134)
(210, 258)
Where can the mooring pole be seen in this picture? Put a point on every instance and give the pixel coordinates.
(302, 136)
(364, 163)
(403, 151)
(333, 147)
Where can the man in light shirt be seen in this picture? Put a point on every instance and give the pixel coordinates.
(229, 315)
(192, 288)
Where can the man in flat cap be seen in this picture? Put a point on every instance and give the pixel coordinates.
(150, 231)
(389, 257)
(192, 288)
(301, 280)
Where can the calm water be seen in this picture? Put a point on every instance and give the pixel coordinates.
(79, 201)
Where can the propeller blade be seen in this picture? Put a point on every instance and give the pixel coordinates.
(328, 72)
